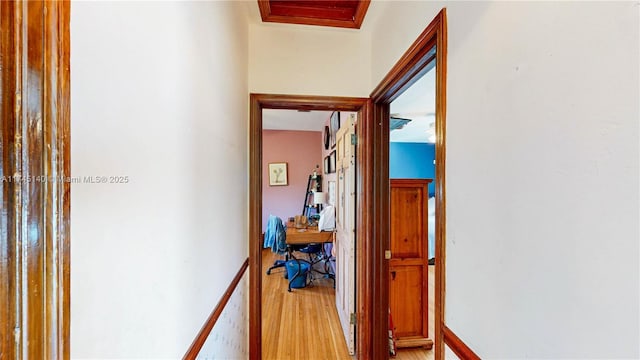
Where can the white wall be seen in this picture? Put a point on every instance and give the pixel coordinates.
(159, 94)
(309, 60)
(449, 354)
(542, 172)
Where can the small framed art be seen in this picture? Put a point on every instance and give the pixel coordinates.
(332, 162)
(334, 126)
(278, 174)
(326, 168)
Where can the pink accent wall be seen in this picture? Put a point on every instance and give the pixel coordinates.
(302, 150)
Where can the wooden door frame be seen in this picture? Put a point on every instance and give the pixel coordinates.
(411, 66)
(34, 179)
(364, 220)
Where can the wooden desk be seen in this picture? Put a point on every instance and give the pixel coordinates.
(307, 236)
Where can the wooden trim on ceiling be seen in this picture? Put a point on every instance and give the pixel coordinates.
(266, 13)
(458, 346)
(411, 66)
(265, 9)
(35, 187)
(203, 334)
(287, 10)
(361, 11)
(364, 200)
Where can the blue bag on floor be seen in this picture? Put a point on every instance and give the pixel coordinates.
(293, 267)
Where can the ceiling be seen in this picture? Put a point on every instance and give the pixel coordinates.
(417, 103)
(335, 13)
(276, 119)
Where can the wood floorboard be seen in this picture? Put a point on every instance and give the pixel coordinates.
(304, 324)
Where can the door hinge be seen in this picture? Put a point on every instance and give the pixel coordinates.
(354, 139)
(387, 254)
(352, 318)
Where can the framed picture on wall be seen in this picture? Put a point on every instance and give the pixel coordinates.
(334, 125)
(326, 169)
(327, 138)
(278, 174)
(332, 162)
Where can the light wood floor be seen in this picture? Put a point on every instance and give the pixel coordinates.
(304, 324)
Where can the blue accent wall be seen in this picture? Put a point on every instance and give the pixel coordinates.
(413, 161)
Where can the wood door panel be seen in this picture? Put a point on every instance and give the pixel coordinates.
(406, 288)
(406, 262)
(408, 225)
(408, 274)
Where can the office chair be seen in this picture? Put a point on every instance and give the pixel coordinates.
(275, 238)
(315, 253)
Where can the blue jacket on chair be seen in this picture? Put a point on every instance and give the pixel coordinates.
(275, 235)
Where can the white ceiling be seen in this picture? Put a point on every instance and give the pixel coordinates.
(276, 119)
(417, 103)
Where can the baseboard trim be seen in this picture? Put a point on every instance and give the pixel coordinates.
(416, 341)
(457, 346)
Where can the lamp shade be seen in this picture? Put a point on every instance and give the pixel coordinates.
(319, 198)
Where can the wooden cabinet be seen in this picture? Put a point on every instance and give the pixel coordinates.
(408, 266)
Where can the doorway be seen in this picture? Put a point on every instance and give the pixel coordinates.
(412, 212)
(300, 313)
(413, 65)
(259, 102)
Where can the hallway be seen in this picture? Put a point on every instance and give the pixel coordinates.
(130, 168)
